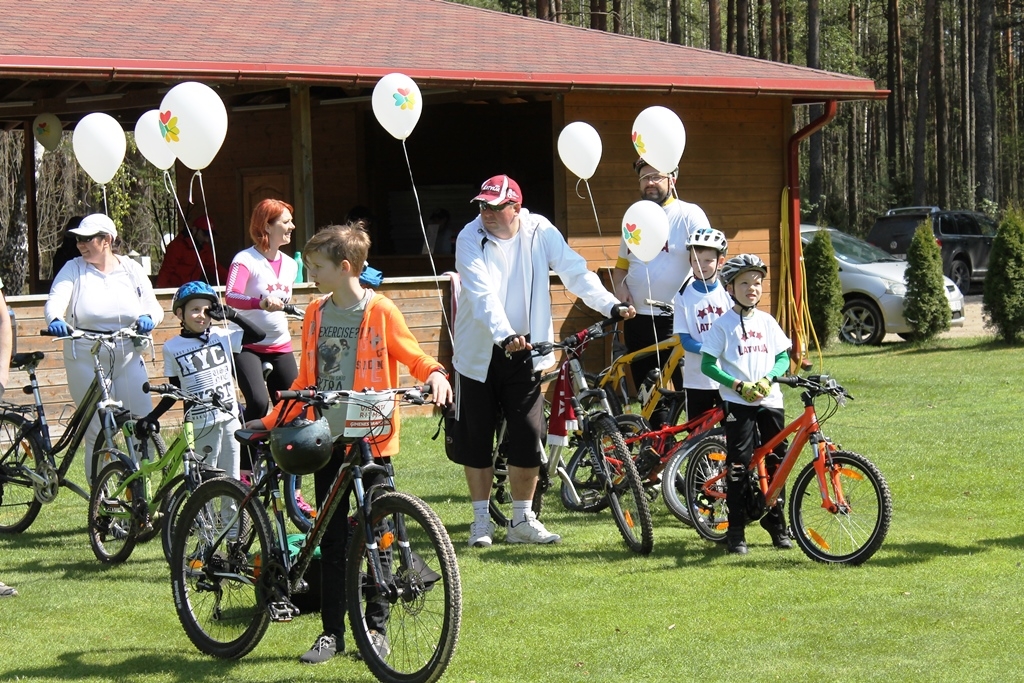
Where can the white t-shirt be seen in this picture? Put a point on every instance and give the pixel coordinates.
(695, 312)
(669, 269)
(204, 368)
(514, 289)
(747, 357)
(263, 283)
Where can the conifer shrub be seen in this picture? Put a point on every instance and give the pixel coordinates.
(925, 307)
(824, 291)
(1003, 297)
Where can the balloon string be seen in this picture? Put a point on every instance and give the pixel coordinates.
(430, 250)
(213, 246)
(654, 325)
(106, 209)
(593, 207)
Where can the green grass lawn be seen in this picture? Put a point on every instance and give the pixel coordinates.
(941, 601)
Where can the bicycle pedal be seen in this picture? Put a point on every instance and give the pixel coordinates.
(282, 610)
(112, 505)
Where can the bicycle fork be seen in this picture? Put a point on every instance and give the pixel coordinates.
(829, 474)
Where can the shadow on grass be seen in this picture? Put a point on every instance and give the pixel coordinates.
(928, 347)
(90, 570)
(1013, 542)
(903, 554)
(120, 665)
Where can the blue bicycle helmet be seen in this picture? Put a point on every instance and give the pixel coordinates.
(192, 290)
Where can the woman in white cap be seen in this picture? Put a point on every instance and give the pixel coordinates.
(102, 292)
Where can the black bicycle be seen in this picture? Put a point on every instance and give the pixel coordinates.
(232, 573)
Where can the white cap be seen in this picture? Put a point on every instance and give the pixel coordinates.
(95, 224)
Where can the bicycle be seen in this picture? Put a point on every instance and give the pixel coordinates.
(130, 499)
(601, 449)
(832, 517)
(32, 469)
(232, 573)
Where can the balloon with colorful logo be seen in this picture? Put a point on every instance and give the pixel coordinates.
(99, 143)
(193, 123)
(151, 142)
(660, 138)
(46, 129)
(645, 229)
(397, 104)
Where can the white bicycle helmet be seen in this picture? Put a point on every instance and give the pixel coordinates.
(741, 264)
(708, 237)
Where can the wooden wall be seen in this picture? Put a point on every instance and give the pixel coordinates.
(419, 298)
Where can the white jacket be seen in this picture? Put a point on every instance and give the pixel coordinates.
(481, 323)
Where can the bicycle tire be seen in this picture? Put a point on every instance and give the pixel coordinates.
(301, 520)
(626, 496)
(113, 520)
(170, 511)
(709, 514)
(589, 485)
(19, 506)
(849, 537)
(673, 482)
(423, 618)
(204, 575)
(610, 392)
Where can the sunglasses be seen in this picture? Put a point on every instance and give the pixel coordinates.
(82, 239)
(484, 206)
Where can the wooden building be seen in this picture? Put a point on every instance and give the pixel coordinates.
(497, 88)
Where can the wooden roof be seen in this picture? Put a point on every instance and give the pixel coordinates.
(81, 51)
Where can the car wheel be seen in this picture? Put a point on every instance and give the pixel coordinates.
(862, 323)
(960, 274)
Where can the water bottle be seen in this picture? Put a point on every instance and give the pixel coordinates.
(299, 270)
(647, 387)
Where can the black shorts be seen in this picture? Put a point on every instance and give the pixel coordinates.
(513, 389)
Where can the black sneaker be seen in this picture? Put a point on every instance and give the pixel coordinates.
(736, 546)
(780, 537)
(325, 647)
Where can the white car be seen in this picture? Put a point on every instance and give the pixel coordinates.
(873, 289)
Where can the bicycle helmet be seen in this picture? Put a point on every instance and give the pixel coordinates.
(192, 290)
(741, 264)
(708, 237)
(301, 446)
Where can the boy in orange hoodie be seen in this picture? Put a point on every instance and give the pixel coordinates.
(352, 338)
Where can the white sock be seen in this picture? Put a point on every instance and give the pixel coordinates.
(519, 510)
(480, 512)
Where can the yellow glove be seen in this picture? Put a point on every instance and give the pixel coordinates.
(764, 386)
(749, 392)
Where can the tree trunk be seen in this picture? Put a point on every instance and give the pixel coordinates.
(617, 16)
(924, 72)
(544, 9)
(763, 46)
(675, 35)
(984, 124)
(714, 25)
(852, 166)
(815, 168)
(966, 100)
(776, 30)
(730, 24)
(743, 27)
(941, 111)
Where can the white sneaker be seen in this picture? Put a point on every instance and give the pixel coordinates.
(480, 533)
(530, 530)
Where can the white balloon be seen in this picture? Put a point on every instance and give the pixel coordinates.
(46, 128)
(645, 229)
(151, 143)
(660, 138)
(99, 145)
(193, 122)
(397, 104)
(579, 147)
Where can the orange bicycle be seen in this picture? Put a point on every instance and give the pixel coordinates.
(840, 506)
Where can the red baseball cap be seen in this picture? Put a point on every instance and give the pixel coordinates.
(499, 190)
(203, 223)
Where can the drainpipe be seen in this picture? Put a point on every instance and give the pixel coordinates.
(795, 246)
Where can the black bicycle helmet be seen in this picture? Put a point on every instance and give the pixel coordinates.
(741, 264)
(192, 290)
(302, 446)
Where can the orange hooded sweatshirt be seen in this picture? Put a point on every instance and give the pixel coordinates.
(384, 342)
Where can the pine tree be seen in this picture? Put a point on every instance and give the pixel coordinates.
(925, 306)
(824, 291)
(1003, 299)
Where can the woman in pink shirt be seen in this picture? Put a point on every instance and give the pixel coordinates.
(259, 285)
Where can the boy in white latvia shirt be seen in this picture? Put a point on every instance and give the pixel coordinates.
(744, 351)
(198, 361)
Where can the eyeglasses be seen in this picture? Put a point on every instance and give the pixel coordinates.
(652, 178)
(484, 206)
(82, 239)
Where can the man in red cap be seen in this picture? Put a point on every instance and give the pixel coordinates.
(503, 258)
(182, 260)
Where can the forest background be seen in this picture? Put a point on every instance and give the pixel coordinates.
(949, 134)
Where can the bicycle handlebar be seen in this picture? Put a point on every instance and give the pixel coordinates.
(294, 310)
(818, 385)
(665, 307)
(126, 332)
(415, 395)
(176, 392)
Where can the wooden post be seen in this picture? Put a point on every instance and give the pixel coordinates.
(31, 220)
(302, 165)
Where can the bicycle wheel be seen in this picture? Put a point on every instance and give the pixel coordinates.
(588, 484)
(626, 495)
(854, 533)
(705, 468)
(18, 504)
(170, 511)
(673, 480)
(417, 627)
(113, 523)
(614, 394)
(216, 570)
(300, 519)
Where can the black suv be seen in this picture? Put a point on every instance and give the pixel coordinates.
(964, 236)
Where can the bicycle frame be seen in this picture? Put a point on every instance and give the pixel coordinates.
(615, 375)
(169, 464)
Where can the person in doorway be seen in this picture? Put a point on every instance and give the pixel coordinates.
(190, 257)
(634, 281)
(503, 258)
